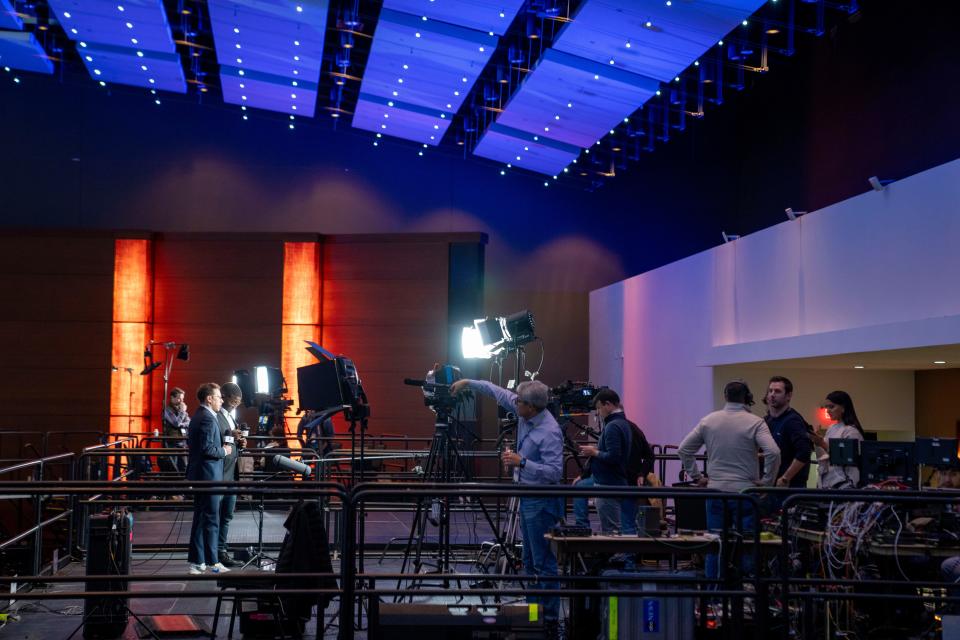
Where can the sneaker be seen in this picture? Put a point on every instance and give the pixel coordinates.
(196, 569)
(219, 568)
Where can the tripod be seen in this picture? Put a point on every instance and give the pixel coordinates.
(444, 465)
(260, 555)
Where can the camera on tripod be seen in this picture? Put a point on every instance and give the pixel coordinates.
(266, 389)
(436, 388)
(572, 397)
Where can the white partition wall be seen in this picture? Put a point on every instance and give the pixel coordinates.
(878, 271)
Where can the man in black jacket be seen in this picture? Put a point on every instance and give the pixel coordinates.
(789, 430)
(622, 455)
(205, 463)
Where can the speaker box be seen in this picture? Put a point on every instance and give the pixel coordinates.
(109, 545)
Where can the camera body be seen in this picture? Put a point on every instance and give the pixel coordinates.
(573, 397)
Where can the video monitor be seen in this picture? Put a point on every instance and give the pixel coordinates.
(881, 461)
(937, 452)
(845, 452)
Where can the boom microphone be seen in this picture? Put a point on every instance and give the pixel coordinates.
(284, 462)
(413, 382)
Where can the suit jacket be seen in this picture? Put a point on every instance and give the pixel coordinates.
(205, 445)
(230, 461)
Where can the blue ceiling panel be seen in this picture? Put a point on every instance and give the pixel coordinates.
(265, 91)
(651, 37)
(392, 118)
(525, 150)
(277, 45)
(20, 50)
(136, 24)
(482, 15)
(120, 65)
(573, 100)
(8, 17)
(424, 63)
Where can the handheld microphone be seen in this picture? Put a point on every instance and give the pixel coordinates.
(291, 465)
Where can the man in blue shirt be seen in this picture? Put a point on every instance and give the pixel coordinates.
(538, 460)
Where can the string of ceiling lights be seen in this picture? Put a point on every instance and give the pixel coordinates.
(350, 29)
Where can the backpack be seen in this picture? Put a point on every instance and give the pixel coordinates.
(640, 460)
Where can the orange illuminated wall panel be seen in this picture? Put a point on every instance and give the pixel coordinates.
(132, 327)
(301, 318)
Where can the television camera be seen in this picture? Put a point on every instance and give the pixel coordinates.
(573, 398)
(436, 388)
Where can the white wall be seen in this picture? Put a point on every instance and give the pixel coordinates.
(878, 271)
(884, 399)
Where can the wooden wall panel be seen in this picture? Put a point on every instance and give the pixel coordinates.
(937, 410)
(385, 307)
(55, 328)
(384, 304)
(222, 296)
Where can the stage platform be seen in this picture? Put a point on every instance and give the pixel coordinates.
(160, 541)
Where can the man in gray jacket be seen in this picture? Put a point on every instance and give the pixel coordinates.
(732, 437)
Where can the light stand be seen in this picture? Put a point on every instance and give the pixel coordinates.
(171, 351)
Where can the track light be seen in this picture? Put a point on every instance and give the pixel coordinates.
(877, 184)
(729, 237)
(793, 215)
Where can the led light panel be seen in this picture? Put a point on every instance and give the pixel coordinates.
(117, 39)
(274, 48)
(649, 37)
(8, 17)
(482, 15)
(20, 50)
(525, 150)
(422, 64)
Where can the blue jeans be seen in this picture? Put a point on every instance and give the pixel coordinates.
(227, 505)
(204, 530)
(615, 513)
(581, 506)
(742, 519)
(950, 572)
(537, 516)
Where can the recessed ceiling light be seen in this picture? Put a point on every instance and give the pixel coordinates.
(858, 366)
(939, 362)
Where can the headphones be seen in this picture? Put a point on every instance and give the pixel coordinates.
(748, 397)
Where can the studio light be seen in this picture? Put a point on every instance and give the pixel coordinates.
(793, 215)
(472, 344)
(877, 184)
(268, 381)
(519, 328)
(490, 331)
(148, 364)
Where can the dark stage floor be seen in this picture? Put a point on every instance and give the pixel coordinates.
(160, 539)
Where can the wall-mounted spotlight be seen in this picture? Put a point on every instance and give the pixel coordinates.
(793, 215)
(729, 237)
(877, 184)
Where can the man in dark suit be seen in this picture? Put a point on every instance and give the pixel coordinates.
(232, 397)
(205, 462)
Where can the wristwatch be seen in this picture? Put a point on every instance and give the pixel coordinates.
(523, 462)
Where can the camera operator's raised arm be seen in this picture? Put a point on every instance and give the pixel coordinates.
(504, 397)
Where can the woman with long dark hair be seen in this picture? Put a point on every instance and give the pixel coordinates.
(846, 425)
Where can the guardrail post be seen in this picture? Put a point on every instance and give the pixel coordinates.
(347, 569)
